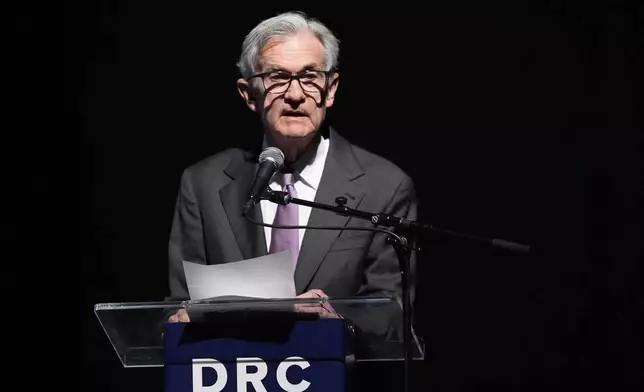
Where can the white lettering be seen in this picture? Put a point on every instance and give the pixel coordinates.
(198, 364)
(281, 374)
(243, 377)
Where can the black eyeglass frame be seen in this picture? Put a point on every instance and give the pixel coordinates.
(291, 76)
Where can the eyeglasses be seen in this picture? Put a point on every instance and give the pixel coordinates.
(277, 82)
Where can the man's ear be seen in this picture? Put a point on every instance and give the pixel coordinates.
(333, 88)
(246, 92)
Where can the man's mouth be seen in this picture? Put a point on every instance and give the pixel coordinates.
(291, 113)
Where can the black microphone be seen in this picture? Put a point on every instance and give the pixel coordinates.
(271, 160)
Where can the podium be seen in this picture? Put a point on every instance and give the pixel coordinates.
(250, 344)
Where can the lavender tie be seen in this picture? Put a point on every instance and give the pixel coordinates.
(286, 239)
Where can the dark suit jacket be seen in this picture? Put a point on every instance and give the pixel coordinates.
(208, 227)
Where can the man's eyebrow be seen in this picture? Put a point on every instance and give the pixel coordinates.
(310, 66)
(307, 67)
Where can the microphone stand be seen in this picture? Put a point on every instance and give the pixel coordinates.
(402, 246)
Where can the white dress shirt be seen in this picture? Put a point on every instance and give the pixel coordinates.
(307, 176)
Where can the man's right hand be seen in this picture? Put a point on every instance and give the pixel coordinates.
(180, 317)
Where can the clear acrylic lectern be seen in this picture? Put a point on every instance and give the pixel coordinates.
(375, 324)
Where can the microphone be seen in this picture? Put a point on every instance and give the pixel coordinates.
(271, 160)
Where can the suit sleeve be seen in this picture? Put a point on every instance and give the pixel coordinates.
(186, 238)
(382, 271)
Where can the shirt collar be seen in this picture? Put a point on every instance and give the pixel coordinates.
(310, 166)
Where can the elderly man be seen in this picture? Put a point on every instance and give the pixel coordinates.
(289, 78)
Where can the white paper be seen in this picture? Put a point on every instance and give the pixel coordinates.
(269, 276)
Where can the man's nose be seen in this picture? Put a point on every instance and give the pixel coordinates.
(294, 91)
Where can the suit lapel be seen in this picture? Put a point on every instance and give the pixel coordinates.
(340, 171)
(250, 237)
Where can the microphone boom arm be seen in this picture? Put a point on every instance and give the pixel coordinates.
(386, 220)
(402, 246)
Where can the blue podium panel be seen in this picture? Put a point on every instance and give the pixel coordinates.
(218, 357)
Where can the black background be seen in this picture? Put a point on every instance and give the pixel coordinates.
(520, 120)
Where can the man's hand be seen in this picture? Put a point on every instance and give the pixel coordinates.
(324, 310)
(180, 316)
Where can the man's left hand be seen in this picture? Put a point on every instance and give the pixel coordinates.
(324, 310)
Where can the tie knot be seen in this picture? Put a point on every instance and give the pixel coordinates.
(287, 178)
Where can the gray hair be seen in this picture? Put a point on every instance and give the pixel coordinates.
(281, 25)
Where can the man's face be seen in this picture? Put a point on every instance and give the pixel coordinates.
(291, 110)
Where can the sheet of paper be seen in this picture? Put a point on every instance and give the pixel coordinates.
(269, 276)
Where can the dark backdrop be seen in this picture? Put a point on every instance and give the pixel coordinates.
(520, 120)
